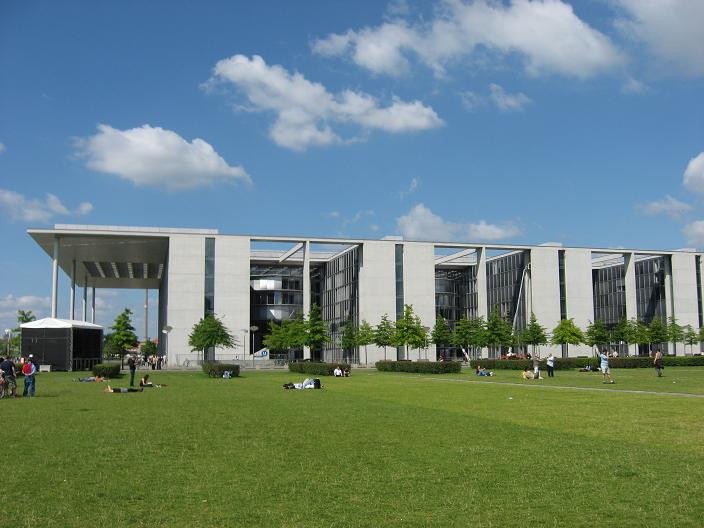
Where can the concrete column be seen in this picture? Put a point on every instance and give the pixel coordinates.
(684, 291)
(306, 288)
(629, 262)
(580, 293)
(85, 298)
(55, 277)
(669, 297)
(92, 305)
(146, 314)
(72, 301)
(482, 309)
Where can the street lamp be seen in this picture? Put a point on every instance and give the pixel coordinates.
(8, 336)
(251, 344)
(166, 331)
(244, 343)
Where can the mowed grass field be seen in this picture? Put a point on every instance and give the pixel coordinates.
(375, 449)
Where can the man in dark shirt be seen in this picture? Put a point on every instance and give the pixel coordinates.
(133, 366)
(8, 368)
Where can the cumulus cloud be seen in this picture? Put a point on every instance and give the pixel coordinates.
(19, 207)
(546, 34)
(305, 111)
(412, 187)
(671, 29)
(2, 148)
(420, 223)
(9, 304)
(694, 233)
(507, 102)
(153, 156)
(694, 174)
(668, 205)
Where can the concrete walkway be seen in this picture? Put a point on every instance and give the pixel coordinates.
(563, 387)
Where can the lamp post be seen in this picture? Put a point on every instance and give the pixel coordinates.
(8, 336)
(166, 331)
(251, 344)
(244, 343)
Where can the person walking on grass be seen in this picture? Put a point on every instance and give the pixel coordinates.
(133, 367)
(551, 366)
(605, 370)
(657, 361)
(29, 369)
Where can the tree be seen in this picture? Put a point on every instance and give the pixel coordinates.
(384, 333)
(123, 336)
(441, 334)
(148, 348)
(690, 337)
(348, 338)
(110, 350)
(534, 334)
(567, 333)
(421, 339)
(365, 336)
(23, 316)
(597, 334)
(295, 333)
(675, 333)
(470, 335)
(657, 333)
(409, 331)
(210, 332)
(315, 330)
(275, 339)
(499, 330)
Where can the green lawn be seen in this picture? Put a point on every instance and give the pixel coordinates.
(375, 449)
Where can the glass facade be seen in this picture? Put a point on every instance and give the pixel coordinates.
(506, 289)
(209, 299)
(609, 294)
(563, 290)
(452, 296)
(400, 351)
(698, 263)
(339, 302)
(650, 289)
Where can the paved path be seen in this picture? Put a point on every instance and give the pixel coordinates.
(563, 387)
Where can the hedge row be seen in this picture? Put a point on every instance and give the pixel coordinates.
(216, 370)
(425, 367)
(106, 370)
(314, 367)
(570, 363)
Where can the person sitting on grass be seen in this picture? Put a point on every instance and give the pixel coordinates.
(346, 373)
(144, 382)
(527, 374)
(337, 372)
(481, 371)
(120, 390)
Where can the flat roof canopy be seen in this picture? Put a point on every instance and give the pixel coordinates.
(108, 260)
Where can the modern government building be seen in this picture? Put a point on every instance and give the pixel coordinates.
(250, 280)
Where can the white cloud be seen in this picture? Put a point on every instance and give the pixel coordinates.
(2, 148)
(695, 233)
(673, 30)
(19, 207)
(306, 110)
(694, 174)
(412, 187)
(9, 304)
(471, 100)
(153, 156)
(507, 102)
(546, 34)
(668, 205)
(420, 223)
(634, 87)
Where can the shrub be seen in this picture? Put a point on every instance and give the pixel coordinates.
(216, 370)
(106, 370)
(424, 367)
(314, 367)
(581, 362)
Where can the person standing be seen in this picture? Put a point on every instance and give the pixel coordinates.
(605, 370)
(29, 370)
(159, 360)
(536, 367)
(9, 375)
(133, 367)
(657, 361)
(551, 366)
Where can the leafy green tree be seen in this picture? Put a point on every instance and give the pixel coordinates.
(275, 338)
(385, 333)
(148, 348)
(349, 336)
(690, 337)
(295, 333)
(123, 336)
(470, 335)
(675, 333)
(315, 330)
(210, 332)
(597, 335)
(657, 333)
(499, 330)
(567, 333)
(441, 334)
(110, 350)
(421, 338)
(409, 331)
(365, 336)
(23, 316)
(534, 334)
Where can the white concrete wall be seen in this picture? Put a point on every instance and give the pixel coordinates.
(580, 294)
(419, 286)
(186, 292)
(377, 291)
(232, 289)
(629, 261)
(684, 292)
(544, 292)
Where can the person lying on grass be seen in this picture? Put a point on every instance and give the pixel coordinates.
(144, 382)
(481, 371)
(308, 383)
(120, 390)
(91, 379)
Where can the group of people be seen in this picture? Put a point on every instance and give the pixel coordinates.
(144, 383)
(155, 361)
(8, 376)
(339, 372)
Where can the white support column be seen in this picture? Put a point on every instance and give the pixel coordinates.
(146, 314)
(669, 297)
(55, 277)
(482, 310)
(629, 262)
(72, 301)
(306, 288)
(85, 298)
(92, 305)
(684, 292)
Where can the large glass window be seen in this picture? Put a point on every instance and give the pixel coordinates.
(506, 289)
(209, 299)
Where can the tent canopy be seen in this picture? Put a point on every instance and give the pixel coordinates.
(48, 322)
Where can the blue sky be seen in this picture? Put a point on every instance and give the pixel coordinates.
(580, 123)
